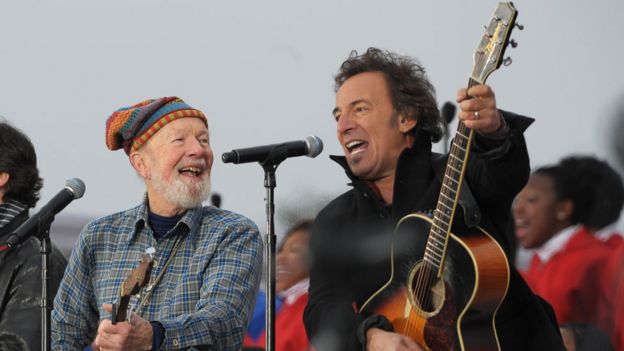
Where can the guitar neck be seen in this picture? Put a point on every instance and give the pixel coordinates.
(444, 213)
(120, 310)
(136, 279)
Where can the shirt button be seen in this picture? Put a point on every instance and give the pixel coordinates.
(176, 343)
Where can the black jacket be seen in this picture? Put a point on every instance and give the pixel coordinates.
(352, 237)
(20, 289)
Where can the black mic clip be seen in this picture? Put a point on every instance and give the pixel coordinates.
(44, 222)
(278, 154)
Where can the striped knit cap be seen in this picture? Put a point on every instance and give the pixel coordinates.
(130, 127)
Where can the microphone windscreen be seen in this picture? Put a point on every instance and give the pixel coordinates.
(215, 200)
(315, 146)
(448, 112)
(76, 186)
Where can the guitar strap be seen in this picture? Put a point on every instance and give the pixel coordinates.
(472, 214)
(148, 293)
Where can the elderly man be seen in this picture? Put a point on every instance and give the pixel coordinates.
(20, 268)
(208, 261)
(386, 119)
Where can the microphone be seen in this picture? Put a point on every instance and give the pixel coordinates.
(215, 200)
(74, 189)
(311, 147)
(448, 112)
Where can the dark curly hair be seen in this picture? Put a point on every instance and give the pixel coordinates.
(18, 159)
(595, 189)
(304, 225)
(411, 92)
(605, 186)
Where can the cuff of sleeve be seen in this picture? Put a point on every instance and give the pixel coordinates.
(158, 335)
(374, 321)
(501, 133)
(495, 144)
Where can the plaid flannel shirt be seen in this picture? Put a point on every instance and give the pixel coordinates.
(204, 299)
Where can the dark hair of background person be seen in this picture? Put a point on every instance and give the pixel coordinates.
(594, 188)
(606, 187)
(18, 159)
(303, 225)
(568, 185)
(411, 92)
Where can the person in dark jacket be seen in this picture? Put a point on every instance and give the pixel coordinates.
(20, 268)
(387, 118)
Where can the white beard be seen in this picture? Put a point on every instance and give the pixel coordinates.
(181, 194)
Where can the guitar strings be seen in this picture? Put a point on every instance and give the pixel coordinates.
(425, 279)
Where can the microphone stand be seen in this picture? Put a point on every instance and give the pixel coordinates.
(447, 112)
(43, 233)
(445, 138)
(277, 155)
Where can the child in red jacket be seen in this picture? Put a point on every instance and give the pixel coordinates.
(568, 262)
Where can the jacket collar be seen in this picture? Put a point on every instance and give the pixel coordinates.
(421, 144)
(413, 173)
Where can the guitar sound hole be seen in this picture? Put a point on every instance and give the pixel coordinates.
(427, 291)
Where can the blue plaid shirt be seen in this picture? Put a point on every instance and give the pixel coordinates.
(205, 297)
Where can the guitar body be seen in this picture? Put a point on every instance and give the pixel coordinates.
(459, 313)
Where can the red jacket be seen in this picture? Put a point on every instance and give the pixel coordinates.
(615, 241)
(290, 334)
(612, 302)
(570, 279)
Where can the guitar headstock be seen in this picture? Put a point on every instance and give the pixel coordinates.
(489, 53)
(137, 279)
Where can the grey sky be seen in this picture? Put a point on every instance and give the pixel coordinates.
(262, 72)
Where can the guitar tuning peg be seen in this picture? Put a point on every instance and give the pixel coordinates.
(513, 43)
(507, 61)
(520, 27)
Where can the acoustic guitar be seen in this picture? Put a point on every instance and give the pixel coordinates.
(132, 285)
(447, 297)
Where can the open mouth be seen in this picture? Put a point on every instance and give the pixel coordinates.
(191, 171)
(280, 272)
(522, 227)
(356, 146)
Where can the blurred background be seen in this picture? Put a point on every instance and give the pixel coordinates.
(262, 72)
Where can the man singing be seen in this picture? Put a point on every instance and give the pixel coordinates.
(386, 119)
(208, 260)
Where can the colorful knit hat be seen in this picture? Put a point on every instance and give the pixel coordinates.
(130, 127)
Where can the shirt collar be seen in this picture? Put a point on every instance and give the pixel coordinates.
(291, 294)
(605, 233)
(187, 224)
(556, 244)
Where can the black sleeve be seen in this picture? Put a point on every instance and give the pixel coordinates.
(330, 318)
(499, 169)
(20, 313)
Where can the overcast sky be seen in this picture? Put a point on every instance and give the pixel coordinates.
(262, 72)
